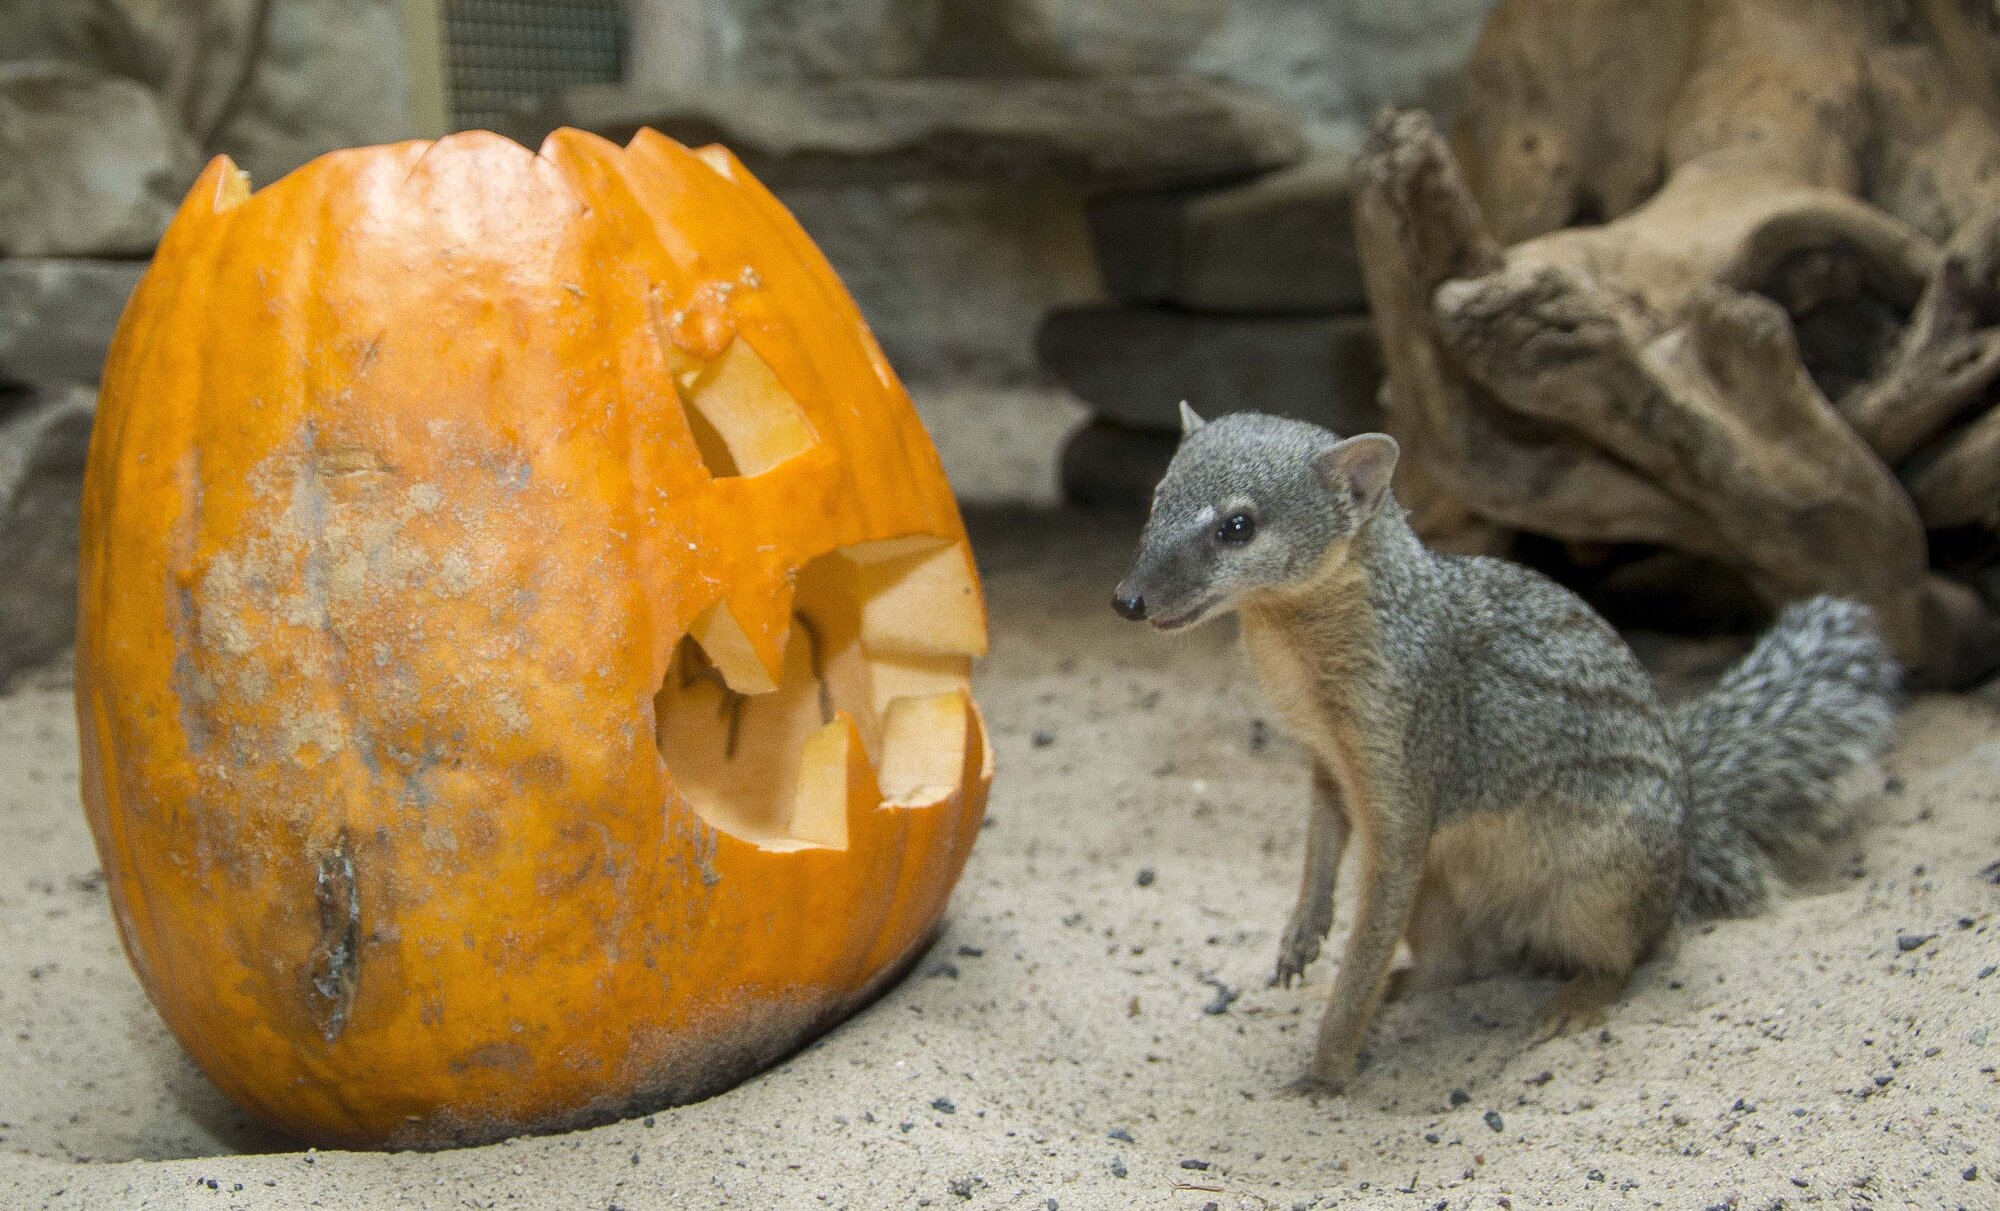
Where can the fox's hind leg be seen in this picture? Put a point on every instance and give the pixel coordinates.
(1440, 950)
(1596, 923)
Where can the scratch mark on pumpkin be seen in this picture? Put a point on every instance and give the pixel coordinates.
(333, 970)
(369, 352)
(346, 462)
(704, 852)
(502, 1056)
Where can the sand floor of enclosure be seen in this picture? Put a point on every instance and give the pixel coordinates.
(1072, 1036)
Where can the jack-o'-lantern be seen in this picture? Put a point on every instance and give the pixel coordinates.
(524, 642)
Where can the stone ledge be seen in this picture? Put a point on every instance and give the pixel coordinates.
(1136, 133)
(57, 315)
(1281, 243)
(1108, 466)
(1134, 365)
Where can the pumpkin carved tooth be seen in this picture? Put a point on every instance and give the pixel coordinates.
(730, 651)
(232, 188)
(829, 763)
(923, 748)
(910, 598)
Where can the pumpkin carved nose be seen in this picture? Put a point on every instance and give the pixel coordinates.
(1129, 605)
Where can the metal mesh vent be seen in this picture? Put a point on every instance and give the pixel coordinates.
(505, 54)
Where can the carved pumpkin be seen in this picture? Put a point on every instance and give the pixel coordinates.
(524, 640)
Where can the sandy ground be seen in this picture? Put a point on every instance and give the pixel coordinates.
(1069, 1042)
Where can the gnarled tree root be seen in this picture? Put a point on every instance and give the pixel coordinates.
(1637, 383)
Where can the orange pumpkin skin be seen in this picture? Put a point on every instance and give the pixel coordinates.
(401, 502)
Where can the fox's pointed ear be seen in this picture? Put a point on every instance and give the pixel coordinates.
(1359, 469)
(1189, 420)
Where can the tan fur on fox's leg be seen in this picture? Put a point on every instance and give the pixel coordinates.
(1581, 1003)
(1327, 830)
(1389, 879)
(1439, 951)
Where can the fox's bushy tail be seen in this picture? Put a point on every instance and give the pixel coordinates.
(1765, 748)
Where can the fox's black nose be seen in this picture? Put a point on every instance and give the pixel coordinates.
(1129, 605)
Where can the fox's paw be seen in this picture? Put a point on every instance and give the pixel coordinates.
(1579, 1005)
(1326, 1078)
(1561, 1021)
(1296, 953)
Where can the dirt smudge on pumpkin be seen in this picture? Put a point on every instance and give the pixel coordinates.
(220, 628)
(440, 839)
(722, 1046)
(322, 731)
(454, 574)
(191, 689)
(306, 515)
(504, 1055)
(507, 705)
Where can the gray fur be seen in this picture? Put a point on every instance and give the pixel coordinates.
(1466, 701)
(1767, 746)
(1269, 469)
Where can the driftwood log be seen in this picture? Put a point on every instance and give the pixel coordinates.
(1711, 281)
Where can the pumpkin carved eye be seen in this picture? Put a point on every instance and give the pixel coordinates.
(743, 420)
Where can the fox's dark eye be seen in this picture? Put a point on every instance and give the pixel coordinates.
(1236, 529)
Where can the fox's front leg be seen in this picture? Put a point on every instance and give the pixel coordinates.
(1327, 830)
(1392, 864)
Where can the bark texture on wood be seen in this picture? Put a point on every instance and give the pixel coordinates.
(1718, 276)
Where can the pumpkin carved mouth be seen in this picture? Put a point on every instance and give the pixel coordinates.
(879, 655)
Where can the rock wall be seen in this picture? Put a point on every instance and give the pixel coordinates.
(334, 73)
(1337, 60)
(329, 73)
(95, 165)
(44, 435)
(1342, 60)
(107, 110)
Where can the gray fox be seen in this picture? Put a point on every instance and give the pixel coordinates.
(1518, 791)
